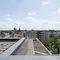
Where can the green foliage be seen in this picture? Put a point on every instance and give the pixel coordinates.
(51, 35)
(4, 31)
(52, 44)
(11, 36)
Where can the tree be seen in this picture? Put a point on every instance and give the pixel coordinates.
(14, 29)
(52, 44)
(51, 35)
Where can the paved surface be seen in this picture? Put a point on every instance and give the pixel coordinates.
(26, 48)
(39, 47)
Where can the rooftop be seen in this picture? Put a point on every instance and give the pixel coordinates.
(26, 47)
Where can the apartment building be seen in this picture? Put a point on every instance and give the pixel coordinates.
(45, 34)
(55, 32)
(41, 35)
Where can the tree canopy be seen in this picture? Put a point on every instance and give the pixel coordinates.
(52, 44)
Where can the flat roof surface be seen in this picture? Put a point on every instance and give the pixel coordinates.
(39, 47)
(10, 38)
(31, 58)
(10, 50)
(7, 54)
(5, 45)
(26, 48)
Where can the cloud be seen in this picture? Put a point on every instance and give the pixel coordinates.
(58, 11)
(41, 24)
(9, 24)
(31, 13)
(29, 23)
(44, 3)
(30, 18)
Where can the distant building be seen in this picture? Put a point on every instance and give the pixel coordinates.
(33, 34)
(3, 34)
(19, 30)
(41, 35)
(55, 32)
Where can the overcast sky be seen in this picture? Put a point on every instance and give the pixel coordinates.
(30, 14)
